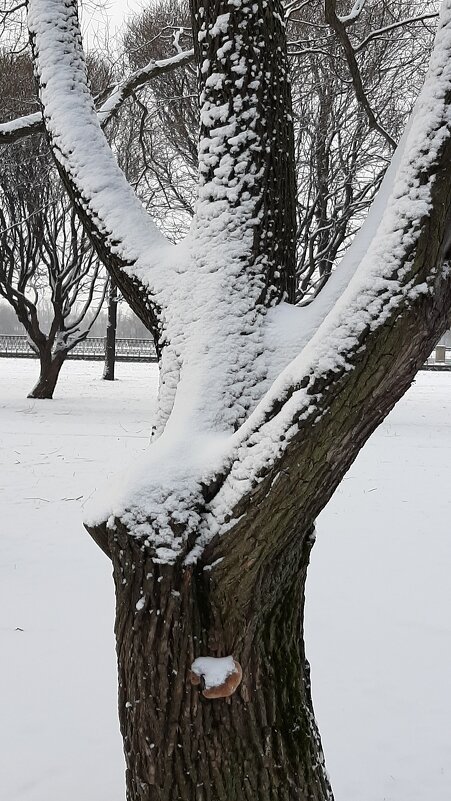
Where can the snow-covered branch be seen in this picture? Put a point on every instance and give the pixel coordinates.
(108, 104)
(294, 7)
(398, 295)
(397, 267)
(154, 69)
(126, 237)
(20, 127)
(354, 13)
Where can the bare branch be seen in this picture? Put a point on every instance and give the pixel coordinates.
(108, 104)
(339, 27)
(392, 27)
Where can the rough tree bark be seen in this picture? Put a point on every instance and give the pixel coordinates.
(50, 367)
(110, 339)
(262, 743)
(210, 549)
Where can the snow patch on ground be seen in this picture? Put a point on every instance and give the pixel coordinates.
(378, 599)
(59, 731)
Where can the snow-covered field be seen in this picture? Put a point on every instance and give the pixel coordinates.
(379, 595)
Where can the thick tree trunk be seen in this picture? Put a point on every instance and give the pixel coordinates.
(244, 596)
(110, 339)
(48, 377)
(261, 744)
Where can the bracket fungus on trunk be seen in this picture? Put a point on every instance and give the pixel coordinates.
(218, 677)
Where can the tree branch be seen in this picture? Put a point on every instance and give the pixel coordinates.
(108, 103)
(309, 428)
(127, 240)
(392, 27)
(154, 69)
(337, 24)
(354, 13)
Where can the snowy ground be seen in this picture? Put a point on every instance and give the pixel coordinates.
(379, 595)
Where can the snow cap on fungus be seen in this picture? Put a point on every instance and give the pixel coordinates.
(218, 676)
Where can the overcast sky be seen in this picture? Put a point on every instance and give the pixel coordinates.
(119, 9)
(95, 20)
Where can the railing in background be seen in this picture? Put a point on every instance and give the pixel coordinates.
(143, 350)
(92, 348)
(440, 359)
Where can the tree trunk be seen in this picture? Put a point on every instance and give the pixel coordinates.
(110, 339)
(262, 743)
(48, 377)
(244, 597)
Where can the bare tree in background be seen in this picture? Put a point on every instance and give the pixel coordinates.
(156, 138)
(45, 258)
(351, 98)
(49, 273)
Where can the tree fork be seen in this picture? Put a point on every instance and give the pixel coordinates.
(262, 743)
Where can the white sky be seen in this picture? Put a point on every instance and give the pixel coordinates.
(97, 21)
(118, 10)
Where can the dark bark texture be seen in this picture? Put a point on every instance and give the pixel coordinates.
(262, 743)
(110, 339)
(49, 373)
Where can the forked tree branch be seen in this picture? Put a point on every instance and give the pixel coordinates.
(289, 456)
(339, 26)
(358, 358)
(307, 431)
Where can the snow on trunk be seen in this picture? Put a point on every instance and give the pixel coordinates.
(383, 279)
(211, 293)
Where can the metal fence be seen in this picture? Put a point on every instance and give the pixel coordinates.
(143, 350)
(92, 348)
(440, 359)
